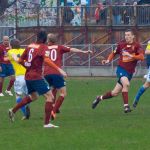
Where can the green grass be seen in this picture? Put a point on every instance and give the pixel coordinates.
(81, 128)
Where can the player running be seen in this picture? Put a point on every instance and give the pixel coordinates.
(146, 85)
(6, 68)
(33, 58)
(129, 53)
(20, 87)
(52, 76)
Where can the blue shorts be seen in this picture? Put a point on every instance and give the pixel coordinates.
(7, 70)
(56, 81)
(39, 86)
(123, 73)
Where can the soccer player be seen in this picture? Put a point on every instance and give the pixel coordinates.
(6, 68)
(129, 52)
(52, 76)
(146, 85)
(32, 58)
(20, 84)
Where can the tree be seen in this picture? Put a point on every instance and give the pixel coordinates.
(5, 4)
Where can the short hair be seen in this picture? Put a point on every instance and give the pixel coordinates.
(51, 38)
(130, 30)
(15, 43)
(42, 36)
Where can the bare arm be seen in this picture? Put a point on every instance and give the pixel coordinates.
(75, 50)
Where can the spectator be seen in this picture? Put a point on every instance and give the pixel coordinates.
(68, 15)
(97, 12)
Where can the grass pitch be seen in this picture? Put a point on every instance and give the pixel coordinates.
(81, 128)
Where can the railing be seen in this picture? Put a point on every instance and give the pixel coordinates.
(77, 16)
(100, 51)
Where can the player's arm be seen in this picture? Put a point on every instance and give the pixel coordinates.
(109, 59)
(51, 64)
(139, 56)
(76, 50)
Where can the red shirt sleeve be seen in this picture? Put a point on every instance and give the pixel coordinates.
(64, 49)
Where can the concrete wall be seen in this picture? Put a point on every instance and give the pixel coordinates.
(99, 71)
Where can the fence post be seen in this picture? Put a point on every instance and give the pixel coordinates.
(89, 58)
(112, 62)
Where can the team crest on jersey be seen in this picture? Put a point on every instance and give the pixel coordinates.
(47, 53)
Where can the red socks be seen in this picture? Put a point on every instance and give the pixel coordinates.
(24, 101)
(54, 92)
(58, 103)
(11, 83)
(125, 97)
(107, 95)
(48, 109)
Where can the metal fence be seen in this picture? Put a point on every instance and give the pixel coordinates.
(100, 52)
(77, 16)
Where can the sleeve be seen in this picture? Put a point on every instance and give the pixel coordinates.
(9, 55)
(64, 49)
(24, 55)
(148, 47)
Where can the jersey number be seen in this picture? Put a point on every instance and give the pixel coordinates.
(30, 56)
(53, 55)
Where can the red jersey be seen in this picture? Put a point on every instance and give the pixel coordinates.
(127, 62)
(3, 53)
(55, 54)
(33, 57)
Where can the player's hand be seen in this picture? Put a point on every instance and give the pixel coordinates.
(15, 57)
(87, 52)
(63, 72)
(105, 62)
(0, 69)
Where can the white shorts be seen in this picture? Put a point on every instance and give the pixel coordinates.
(20, 87)
(148, 75)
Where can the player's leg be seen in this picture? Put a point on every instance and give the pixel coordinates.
(140, 92)
(117, 89)
(62, 94)
(54, 92)
(142, 89)
(23, 109)
(48, 108)
(1, 86)
(2, 77)
(20, 89)
(10, 85)
(32, 95)
(125, 87)
(10, 72)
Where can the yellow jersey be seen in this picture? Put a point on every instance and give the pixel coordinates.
(19, 69)
(148, 46)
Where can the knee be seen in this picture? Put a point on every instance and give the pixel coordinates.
(49, 97)
(126, 85)
(114, 93)
(63, 94)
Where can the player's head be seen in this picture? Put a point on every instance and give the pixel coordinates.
(41, 36)
(15, 43)
(6, 40)
(129, 36)
(51, 38)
